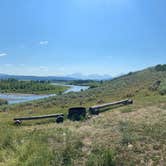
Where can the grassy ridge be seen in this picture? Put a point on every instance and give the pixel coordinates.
(129, 135)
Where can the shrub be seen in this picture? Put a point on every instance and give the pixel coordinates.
(101, 157)
(162, 88)
(126, 129)
(155, 85)
(160, 67)
(2, 102)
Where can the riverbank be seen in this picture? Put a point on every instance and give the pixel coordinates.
(30, 87)
(16, 98)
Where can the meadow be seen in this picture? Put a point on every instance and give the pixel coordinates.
(127, 135)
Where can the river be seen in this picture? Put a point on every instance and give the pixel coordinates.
(21, 98)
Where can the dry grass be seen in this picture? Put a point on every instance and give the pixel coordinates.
(137, 137)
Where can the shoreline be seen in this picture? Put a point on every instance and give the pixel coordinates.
(16, 98)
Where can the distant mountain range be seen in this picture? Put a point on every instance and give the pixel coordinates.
(75, 76)
(35, 78)
(90, 76)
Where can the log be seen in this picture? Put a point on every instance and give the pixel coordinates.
(127, 101)
(38, 117)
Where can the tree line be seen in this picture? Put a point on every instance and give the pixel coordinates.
(13, 85)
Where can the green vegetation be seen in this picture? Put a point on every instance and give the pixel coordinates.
(161, 67)
(128, 135)
(2, 102)
(162, 88)
(30, 87)
(101, 157)
(127, 109)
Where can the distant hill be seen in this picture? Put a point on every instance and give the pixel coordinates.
(140, 82)
(75, 76)
(91, 76)
(147, 82)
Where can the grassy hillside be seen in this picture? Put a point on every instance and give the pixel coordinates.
(128, 135)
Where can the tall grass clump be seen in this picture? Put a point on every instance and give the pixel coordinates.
(126, 129)
(101, 157)
(162, 88)
(6, 138)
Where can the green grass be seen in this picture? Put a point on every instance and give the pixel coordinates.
(162, 88)
(127, 110)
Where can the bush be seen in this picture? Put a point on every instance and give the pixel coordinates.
(101, 157)
(162, 88)
(155, 85)
(160, 67)
(126, 129)
(2, 102)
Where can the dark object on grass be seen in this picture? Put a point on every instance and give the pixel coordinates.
(59, 119)
(93, 111)
(77, 113)
(17, 122)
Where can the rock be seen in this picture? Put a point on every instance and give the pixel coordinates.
(130, 146)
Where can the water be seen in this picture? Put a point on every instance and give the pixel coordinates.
(73, 88)
(21, 98)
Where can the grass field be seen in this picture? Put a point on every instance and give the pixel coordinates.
(128, 135)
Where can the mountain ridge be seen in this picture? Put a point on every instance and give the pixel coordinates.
(75, 76)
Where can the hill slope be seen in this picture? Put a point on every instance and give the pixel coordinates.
(128, 86)
(129, 135)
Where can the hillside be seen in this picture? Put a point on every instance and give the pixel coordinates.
(57, 78)
(128, 135)
(136, 84)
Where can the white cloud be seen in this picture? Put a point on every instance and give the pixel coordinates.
(3, 54)
(44, 42)
(8, 64)
(22, 64)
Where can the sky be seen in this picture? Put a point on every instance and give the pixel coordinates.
(61, 37)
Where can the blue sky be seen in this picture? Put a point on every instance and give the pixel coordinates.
(53, 37)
